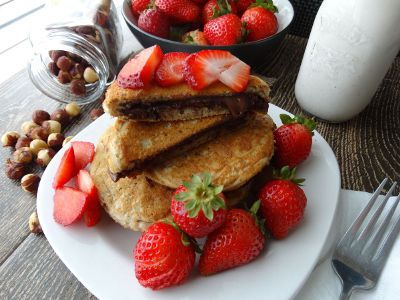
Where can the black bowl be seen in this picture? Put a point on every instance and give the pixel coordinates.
(255, 53)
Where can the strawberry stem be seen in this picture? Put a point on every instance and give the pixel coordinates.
(267, 4)
(287, 174)
(260, 222)
(308, 123)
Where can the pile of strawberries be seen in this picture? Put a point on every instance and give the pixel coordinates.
(165, 253)
(198, 70)
(207, 22)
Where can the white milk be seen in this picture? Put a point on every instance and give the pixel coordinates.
(350, 49)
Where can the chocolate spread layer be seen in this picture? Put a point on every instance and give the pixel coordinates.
(237, 104)
(186, 145)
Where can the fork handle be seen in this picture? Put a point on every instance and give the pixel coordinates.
(346, 291)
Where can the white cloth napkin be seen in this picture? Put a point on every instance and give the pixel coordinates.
(323, 282)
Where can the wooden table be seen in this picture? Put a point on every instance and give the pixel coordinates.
(367, 148)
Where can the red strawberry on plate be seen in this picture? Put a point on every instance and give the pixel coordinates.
(198, 207)
(163, 256)
(184, 11)
(139, 5)
(154, 21)
(66, 170)
(207, 66)
(293, 140)
(84, 153)
(216, 8)
(259, 22)
(238, 241)
(171, 69)
(194, 37)
(282, 203)
(92, 212)
(139, 71)
(223, 31)
(69, 205)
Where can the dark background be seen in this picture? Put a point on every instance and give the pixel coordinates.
(305, 11)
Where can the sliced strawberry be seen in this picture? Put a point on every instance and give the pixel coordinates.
(69, 205)
(92, 212)
(66, 169)
(171, 69)
(85, 183)
(139, 71)
(84, 153)
(236, 76)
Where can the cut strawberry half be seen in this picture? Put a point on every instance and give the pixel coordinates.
(171, 69)
(84, 153)
(206, 66)
(69, 205)
(139, 71)
(66, 169)
(92, 212)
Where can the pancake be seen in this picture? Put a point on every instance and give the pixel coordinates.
(135, 202)
(137, 145)
(232, 159)
(180, 102)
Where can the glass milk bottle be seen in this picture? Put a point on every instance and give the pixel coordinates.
(351, 47)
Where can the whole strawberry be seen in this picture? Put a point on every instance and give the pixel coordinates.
(194, 37)
(293, 140)
(154, 21)
(139, 5)
(238, 241)
(260, 22)
(216, 8)
(282, 203)
(223, 31)
(198, 207)
(163, 256)
(181, 11)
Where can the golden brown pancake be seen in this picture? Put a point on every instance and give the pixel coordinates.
(137, 145)
(232, 159)
(135, 202)
(180, 102)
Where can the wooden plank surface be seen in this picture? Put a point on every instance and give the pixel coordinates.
(367, 148)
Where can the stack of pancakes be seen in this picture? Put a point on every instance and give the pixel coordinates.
(162, 136)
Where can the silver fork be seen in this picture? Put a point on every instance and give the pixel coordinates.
(361, 253)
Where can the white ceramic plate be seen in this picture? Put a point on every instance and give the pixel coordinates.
(101, 257)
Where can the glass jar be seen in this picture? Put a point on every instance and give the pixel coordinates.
(88, 37)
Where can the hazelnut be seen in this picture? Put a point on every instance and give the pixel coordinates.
(64, 77)
(61, 116)
(76, 71)
(27, 126)
(95, 113)
(10, 138)
(14, 170)
(39, 133)
(39, 116)
(64, 63)
(52, 66)
(22, 155)
(56, 54)
(78, 87)
(37, 145)
(52, 126)
(34, 224)
(73, 109)
(67, 139)
(55, 140)
(44, 157)
(23, 141)
(90, 75)
(30, 183)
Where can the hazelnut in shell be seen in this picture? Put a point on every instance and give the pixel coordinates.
(39, 116)
(23, 141)
(44, 157)
(22, 155)
(28, 126)
(15, 170)
(37, 145)
(61, 116)
(73, 109)
(52, 126)
(10, 138)
(67, 139)
(30, 183)
(34, 224)
(39, 133)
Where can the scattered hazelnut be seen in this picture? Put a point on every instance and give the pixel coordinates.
(14, 170)
(67, 139)
(53, 68)
(55, 140)
(61, 116)
(64, 77)
(73, 109)
(23, 141)
(52, 126)
(44, 157)
(90, 75)
(10, 138)
(56, 54)
(30, 183)
(39, 116)
(78, 87)
(64, 63)
(37, 145)
(95, 113)
(76, 71)
(34, 224)
(27, 126)
(39, 133)
(22, 155)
